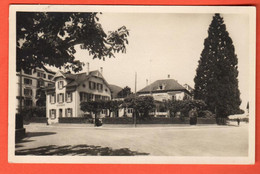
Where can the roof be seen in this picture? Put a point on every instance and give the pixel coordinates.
(115, 90)
(76, 79)
(168, 85)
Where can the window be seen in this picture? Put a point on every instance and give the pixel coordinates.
(130, 110)
(92, 85)
(52, 113)
(84, 85)
(40, 83)
(27, 81)
(41, 74)
(99, 87)
(60, 98)
(68, 112)
(104, 111)
(49, 84)
(52, 98)
(29, 72)
(68, 97)
(97, 97)
(86, 96)
(60, 84)
(90, 97)
(50, 77)
(27, 92)
(28, 102)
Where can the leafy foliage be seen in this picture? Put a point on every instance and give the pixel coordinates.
(92, 106)
(126, 91)
(142, 105)
(29, 112)
(50, 38)
(184, 106)
(216, 76)
(112, 106)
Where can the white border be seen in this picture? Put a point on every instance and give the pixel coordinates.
(251, 11)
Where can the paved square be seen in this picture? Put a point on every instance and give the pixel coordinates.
(155, 140)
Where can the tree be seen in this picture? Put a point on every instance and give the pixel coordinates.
(142, 105)
(216, 76)
(112, 106)
(49, 38)
(93, 106)
(184, 106)
(126, 91)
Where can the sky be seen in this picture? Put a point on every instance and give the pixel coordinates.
(167, 44)
(162, 44)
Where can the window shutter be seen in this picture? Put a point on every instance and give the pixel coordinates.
(62, 98)
(55, 112)
(54, 98)
(71, 96)
(71, 113)
(66, 96)
(66, 111)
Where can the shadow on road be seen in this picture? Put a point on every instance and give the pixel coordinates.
(82, 150)
(29, 135)
(37, 134)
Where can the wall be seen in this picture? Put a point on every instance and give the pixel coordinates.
(92, 91)
(33, 86)
(57, 106)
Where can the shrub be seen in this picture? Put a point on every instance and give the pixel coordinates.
(184, 106)
(35, 111)
(206, 114)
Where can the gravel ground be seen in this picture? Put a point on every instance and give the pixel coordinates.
(121, 140)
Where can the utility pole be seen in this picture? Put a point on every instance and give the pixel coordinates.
(135, 99)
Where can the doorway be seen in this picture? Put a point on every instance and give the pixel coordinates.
(60, 112)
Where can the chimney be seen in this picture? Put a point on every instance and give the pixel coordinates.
(101, 70)
(87, 68)
(146, 82)
(169, 76)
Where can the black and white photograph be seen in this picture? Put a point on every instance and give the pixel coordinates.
(132, 84)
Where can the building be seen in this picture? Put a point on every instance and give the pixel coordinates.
(30, 85)
(166, 89)
(64, 97)
(122, 112)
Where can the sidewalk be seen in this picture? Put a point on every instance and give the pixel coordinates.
(127, 126)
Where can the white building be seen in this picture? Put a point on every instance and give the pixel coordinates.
(29, 83)
(63, 99)
(166, 89)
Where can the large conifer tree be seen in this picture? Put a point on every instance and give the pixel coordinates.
(216, 80)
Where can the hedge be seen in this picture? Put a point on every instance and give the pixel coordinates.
(37, 120)
(128, 120)
(118, 120)
(74, 120)
(155, 120)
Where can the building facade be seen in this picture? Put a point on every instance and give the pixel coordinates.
(69, 90)
(30, 84)
(167, 89)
